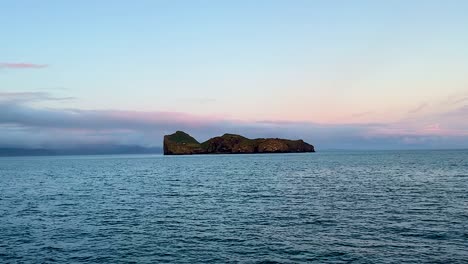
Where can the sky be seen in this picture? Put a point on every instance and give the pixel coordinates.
(338, 74)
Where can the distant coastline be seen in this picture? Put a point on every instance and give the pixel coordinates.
(91, 150)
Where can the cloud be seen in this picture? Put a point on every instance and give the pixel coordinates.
(27, 116)
(24, 97)
(21, 65)
(460, 100)
(419, 108)
(23, 124)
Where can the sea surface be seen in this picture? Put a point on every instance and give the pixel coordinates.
(325, 207)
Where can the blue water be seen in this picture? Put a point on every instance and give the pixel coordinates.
(336, 207)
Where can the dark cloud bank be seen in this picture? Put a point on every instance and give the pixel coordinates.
(73, 131)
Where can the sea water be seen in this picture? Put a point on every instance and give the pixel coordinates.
(335, 206)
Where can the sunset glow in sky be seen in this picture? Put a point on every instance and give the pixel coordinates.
(340, 74)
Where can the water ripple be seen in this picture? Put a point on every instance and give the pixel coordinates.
(333, 207)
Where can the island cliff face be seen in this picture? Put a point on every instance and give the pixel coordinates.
(181, 143)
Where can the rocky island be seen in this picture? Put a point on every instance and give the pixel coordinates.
(181, 143)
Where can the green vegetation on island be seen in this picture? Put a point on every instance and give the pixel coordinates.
(181, 143)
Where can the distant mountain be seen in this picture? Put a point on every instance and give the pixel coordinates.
(84, 150)
(181, 143)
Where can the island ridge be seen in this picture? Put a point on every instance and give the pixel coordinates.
(181, 143)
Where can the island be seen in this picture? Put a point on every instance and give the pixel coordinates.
(181, 143)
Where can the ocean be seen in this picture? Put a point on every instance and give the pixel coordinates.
(324, 207)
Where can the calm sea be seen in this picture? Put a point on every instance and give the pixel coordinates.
(335, 207)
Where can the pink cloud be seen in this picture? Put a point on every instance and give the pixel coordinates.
(419, 108)
(403, 129)
(21, 65)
